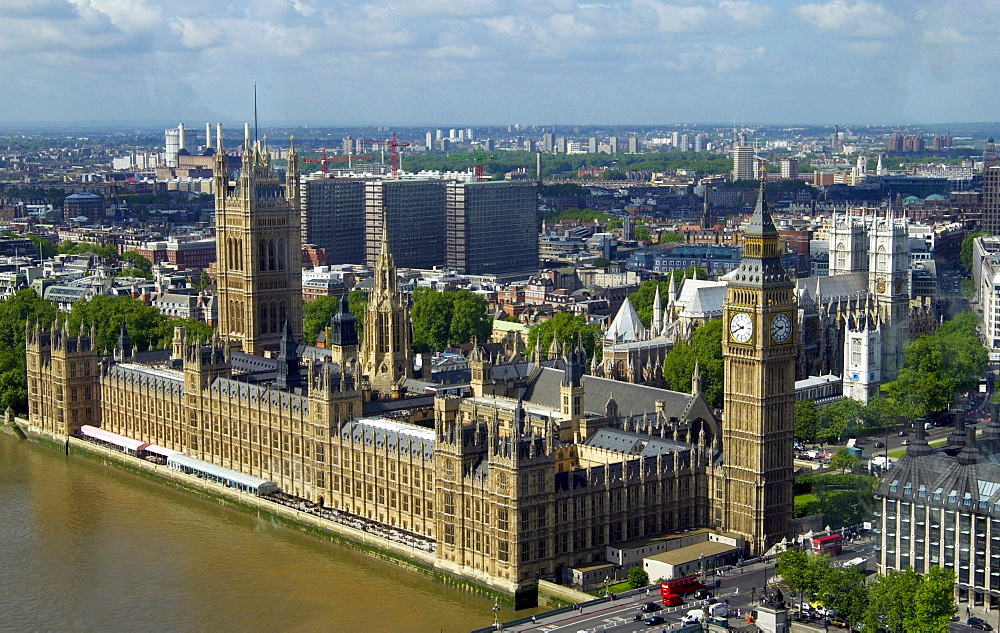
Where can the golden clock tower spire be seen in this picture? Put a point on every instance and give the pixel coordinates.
(758, 346)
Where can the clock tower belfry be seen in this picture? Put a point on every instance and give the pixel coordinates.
(759, 350)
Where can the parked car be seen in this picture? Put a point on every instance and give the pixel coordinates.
(979, 624)
(653, 620)
(650, 607)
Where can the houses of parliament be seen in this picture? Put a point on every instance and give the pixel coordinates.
(534, 474)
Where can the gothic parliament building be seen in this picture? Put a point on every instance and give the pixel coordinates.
(534, 474)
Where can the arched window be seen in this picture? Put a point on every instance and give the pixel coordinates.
(263, 319)
(270, 255)
(282, 313)
(274, 317)
(262, 255)
(883, 259)
(281, 254)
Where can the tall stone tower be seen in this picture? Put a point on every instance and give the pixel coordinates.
(888, 271)
(385, 351)
(258, 246)
(759, 348)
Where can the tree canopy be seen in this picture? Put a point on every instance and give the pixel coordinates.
(22, 307)
(705, 349)
(939, 366)
(568, 328)
(443, 318)
(965, 252)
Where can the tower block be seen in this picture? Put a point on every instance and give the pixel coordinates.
(759, 350)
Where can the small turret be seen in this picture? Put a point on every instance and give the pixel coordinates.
(288, 361)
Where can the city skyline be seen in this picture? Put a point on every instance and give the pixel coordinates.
(417, 63)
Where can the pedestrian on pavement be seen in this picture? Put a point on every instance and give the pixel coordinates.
(533, 619)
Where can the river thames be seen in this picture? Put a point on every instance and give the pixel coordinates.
(87, 547)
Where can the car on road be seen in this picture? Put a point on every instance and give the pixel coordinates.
(836, 620)
(879, 445)
(906, 442)
(979, 624)
(653, 620)
(650, 607)
(702, 594)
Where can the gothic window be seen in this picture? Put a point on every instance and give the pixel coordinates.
(270, 255)
(883, 259)
(281, 313)
(281, 254)
(262, 255)
(274, 317)
(841, 256)
(263, 319)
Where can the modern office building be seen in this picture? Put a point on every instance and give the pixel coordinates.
(333, 218)
(413, 212)
(991, 190)
(940, 506)
(491, 227)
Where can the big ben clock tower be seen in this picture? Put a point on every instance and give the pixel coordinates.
(758, 345)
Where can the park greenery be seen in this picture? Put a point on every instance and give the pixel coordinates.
(566, 165)
(705, 350)
(567, 329)
(896, 602)
(441, 319)
(845, 499)
(965, 252)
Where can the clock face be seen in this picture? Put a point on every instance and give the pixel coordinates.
(741, 327)
(781, 328)
(880, 285)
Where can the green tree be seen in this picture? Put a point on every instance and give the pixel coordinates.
(891, 601)
(844, 461)
(642, 233)
(837, 418)
(601, 262)
(843, 590)
(357, 304)
(46, 249)
(939, 366)
(316, 315)
(568, 329)
(807, 420)
(194, 330)
(968, 289)
(965, 252)
(24, 306)
(637, 577)
(613, 174)
(642, 298)
(934, 602)
(802, 572)
(705, 349)
(133, 261)
(670, 237)
(440, 318)
(146, 326)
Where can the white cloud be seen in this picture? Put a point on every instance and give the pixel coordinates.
(860, 19)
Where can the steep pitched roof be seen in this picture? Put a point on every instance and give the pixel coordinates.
(626, 326)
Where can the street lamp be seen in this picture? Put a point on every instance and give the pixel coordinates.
(496, 615)
(606, 579)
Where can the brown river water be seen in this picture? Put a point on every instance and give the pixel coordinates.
(87, 547)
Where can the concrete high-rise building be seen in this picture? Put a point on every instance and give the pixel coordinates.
(613, 143)
(530, 145)
(633, 145)
(489, 145)
(991, 189)
(470, 134)
(491, 227)
(789, 168)
(548, 142)
(592, 145)
(452, 134)
(560, 147)
(759, 347)
(258, 244)
(743, 163)
(171, 146)
(438, 135)
(333, 218)
(429, 139)
(414, 215)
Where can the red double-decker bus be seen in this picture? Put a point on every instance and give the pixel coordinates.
(681, 586)
(832, 544)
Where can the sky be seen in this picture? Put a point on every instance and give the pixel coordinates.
(530, 62)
